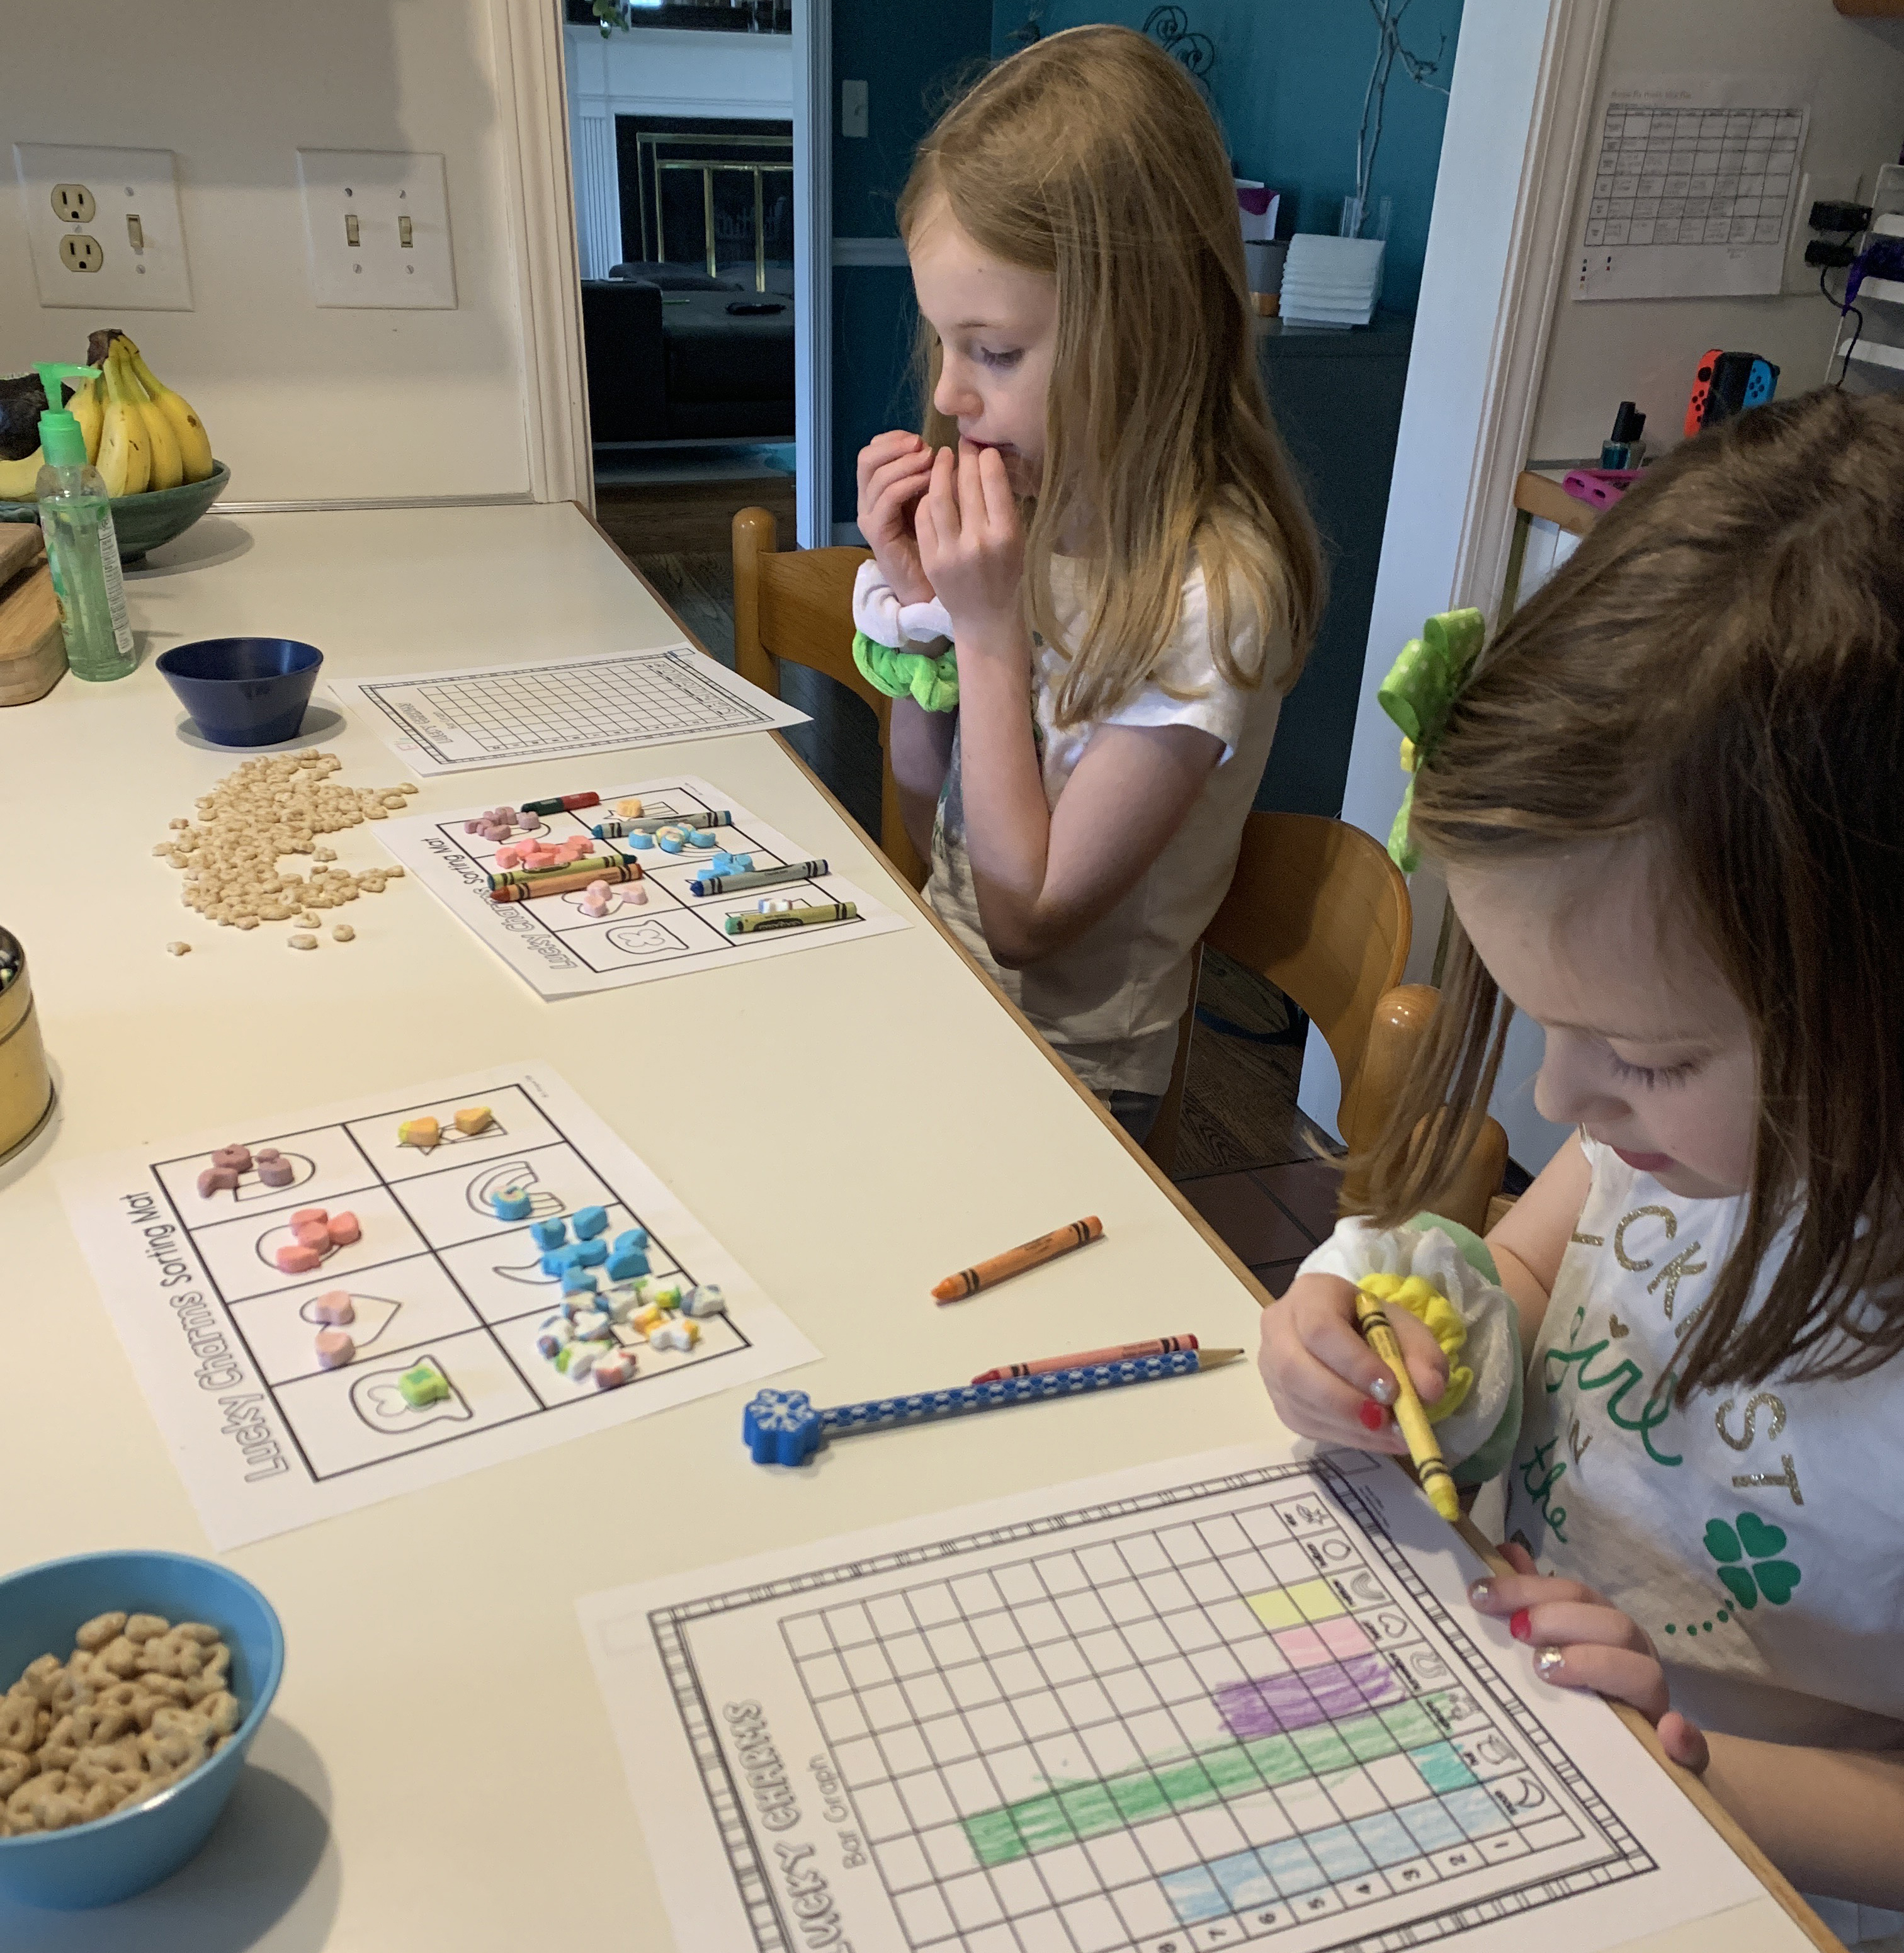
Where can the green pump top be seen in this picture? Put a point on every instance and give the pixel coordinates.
(62, 442)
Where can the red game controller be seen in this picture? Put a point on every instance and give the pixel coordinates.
(1701, 387)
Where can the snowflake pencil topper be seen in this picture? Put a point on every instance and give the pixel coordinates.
(1418, 694)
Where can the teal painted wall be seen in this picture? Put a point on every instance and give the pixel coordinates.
(910, 60)
(1287, 88)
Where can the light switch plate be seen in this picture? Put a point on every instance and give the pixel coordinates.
(384, 191)
(131, 231)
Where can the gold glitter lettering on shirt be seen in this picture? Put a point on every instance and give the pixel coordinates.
(1624, 1260)
(1588, 1240)
(1745, 1482)
(1753, 1404)
(1681, 1266)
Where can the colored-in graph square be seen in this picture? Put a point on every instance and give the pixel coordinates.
(1303, 1647)
(1317, 1599)
(1274, 1609)
(1343, 1636)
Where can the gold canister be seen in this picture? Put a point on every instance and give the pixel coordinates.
(26, 1085)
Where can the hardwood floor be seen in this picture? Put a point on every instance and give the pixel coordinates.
(1240, 1110)
(657, 518)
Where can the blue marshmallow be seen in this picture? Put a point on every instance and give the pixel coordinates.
(549, 1234)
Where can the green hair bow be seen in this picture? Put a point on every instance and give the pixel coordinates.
(1418, 694)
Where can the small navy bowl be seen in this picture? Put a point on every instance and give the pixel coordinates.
(40, 1608)
(243, 691)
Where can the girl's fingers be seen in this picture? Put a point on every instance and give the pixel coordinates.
(1566, 1623)
(1507, 1593)
(1518, 1557)
(1683, 1741)
(1427, 1367)
(1338, 1345)
(1311, 1399)
(884, 448)
(925, 533)
(906, 467)
(1615, 1672)
(995, 486)
(971, 491)
(943, 498)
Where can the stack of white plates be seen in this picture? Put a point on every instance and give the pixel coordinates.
(1332, 281)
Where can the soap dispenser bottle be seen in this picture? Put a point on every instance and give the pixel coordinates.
(82, 547)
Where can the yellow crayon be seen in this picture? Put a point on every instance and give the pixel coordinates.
(1425, 1454)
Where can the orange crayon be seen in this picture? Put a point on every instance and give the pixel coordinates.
(1088, 1360)
(1015, 1260)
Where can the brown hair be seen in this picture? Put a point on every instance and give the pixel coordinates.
(1719, 669)
(1091, 158)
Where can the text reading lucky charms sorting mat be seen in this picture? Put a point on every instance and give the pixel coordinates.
(655, 927)
(442, 1292)
(1233, 1698)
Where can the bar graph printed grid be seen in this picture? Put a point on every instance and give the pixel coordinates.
(1203, 1729)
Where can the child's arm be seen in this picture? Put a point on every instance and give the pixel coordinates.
(1830, 1819)
(1042, 879)
(920, 749)
(893, 470)
(1531, 1237)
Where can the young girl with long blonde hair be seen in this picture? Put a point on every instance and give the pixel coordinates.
(1100, 518)
(1669, 803)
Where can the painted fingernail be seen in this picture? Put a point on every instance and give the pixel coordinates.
(1481, 1593)
(1383, 1390)
(1548, 1662)
(1372, 1415)
(1520, 1624)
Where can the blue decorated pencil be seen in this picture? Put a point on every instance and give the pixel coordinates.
(783, 1427)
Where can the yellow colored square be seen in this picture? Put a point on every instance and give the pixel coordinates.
(1318, 1600)
(1274, 1609)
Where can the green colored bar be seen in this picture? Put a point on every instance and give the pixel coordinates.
(1088, 1810)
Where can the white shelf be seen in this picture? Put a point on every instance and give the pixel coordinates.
(1889, 289)
(1878, 354)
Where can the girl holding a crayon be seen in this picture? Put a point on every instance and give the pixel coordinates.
(1669, 801)
(1101, 518)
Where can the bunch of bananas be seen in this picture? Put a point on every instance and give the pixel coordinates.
(139, 434)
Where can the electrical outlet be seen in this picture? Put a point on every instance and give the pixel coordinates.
(112, 215)
(852, 108)
(376, 228)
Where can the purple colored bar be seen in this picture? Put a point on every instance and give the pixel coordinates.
(1271, 1705)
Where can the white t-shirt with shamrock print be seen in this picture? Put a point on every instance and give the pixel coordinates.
(1756, 1533)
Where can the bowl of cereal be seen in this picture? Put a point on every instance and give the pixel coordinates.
(134, 1684)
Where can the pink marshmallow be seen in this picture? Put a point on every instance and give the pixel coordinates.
(216, 1179)
(507, 858)
(276, 1171)
(335, 1349)
(237, 1158)
(312, 1234)
(334, 1306)
(304, 1214)
(344, 1229)
(296, 1259)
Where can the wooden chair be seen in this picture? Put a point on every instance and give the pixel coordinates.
(1317, 908)
(798, 604)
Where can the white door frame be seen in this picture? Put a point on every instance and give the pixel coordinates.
(541, 202)
(530, 49)
(812, 271)
(1519, 101)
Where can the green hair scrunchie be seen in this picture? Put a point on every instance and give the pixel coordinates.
(1418, 694)
(931, 681)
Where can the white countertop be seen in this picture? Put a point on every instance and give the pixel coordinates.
(437, 1772)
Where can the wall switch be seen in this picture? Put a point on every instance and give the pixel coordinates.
(852, 108)
(103, 227)
(377, 226)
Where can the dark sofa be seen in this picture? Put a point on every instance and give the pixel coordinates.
(674, 355)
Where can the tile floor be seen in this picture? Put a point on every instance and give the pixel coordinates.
(1270, 1216)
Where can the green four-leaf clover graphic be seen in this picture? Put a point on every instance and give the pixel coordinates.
(1753, 1541)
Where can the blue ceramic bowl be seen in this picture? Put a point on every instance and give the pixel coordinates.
(40, 1608)
(243, 691)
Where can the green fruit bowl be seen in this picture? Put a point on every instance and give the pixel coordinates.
(142, 522)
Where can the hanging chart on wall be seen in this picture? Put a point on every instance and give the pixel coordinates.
(1692, 183)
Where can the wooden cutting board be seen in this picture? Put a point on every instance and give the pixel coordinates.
(33, 651)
